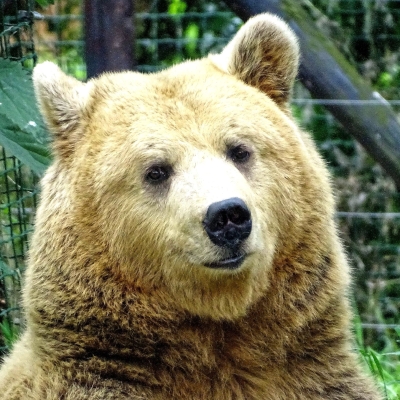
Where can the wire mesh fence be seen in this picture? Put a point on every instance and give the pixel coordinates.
(18, 193)
(17, 183)
(368, 32)
(16, 38)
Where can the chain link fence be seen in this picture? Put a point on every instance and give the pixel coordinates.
(368, 32)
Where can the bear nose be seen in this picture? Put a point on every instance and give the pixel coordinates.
(228, 222)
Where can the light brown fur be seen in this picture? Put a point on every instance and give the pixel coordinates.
(119, 304)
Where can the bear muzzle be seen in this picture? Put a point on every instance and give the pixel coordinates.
(228, 224)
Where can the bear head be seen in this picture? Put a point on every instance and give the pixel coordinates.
(190, 184)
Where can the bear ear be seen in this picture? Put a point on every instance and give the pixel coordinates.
(264, 54)
(62, 100)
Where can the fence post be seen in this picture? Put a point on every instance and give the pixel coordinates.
(109, 36)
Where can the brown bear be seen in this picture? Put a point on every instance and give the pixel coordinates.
(185, 245)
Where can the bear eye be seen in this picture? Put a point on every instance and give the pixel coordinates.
(239, 154)
(157, 174)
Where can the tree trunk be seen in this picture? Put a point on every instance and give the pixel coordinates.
(109, 36)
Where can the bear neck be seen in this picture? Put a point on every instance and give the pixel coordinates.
(116, 331)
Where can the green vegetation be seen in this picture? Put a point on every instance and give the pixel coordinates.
(44, 3)
(9, 332)
(22, 131)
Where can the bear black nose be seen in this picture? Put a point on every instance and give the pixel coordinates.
(228, 222)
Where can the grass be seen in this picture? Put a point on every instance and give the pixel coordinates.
(9, 334)
(386, 372)
(384, 365)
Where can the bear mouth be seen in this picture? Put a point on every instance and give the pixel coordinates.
(228, 263)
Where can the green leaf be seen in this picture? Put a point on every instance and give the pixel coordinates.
(377, 363)
(358, 327)
(22, 131)
(17, 99)
(23, 145)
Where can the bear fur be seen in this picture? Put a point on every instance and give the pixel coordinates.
(126, 295)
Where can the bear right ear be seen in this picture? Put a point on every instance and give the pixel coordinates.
(264, 54)
(62, 100)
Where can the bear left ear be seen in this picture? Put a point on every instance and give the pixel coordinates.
(62, 100)
(264, 54)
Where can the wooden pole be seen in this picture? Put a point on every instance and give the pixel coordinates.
(109, 36)
(328, 75)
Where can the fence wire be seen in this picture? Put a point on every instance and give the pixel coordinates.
(369, 206)
(16, 34)
(18, 189)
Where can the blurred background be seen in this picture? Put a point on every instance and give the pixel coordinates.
(363, 35)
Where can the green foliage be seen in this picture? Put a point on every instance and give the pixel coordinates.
(68, 32)
(385, 372)
(384, 365)
(191, 33)
(44, 3)
(9, 333)
(176, 7)
(8, 329)
(368, 33)
(186, 29)
(22, 131)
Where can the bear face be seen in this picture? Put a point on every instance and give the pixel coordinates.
(146, 157)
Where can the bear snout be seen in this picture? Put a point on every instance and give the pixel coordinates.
(228, 223)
